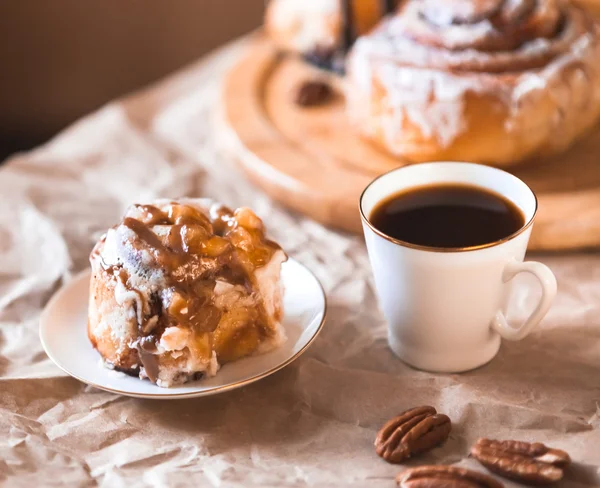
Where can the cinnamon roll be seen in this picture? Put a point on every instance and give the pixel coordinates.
(493, 81)
(180, 288)
(322, 29)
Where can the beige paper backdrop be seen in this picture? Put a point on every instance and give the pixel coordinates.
(311, 424)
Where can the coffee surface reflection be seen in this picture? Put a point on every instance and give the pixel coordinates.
(447, 216)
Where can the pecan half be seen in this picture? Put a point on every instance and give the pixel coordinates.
(445, 477)
(312, 93)
(521, 461)
(412, 432)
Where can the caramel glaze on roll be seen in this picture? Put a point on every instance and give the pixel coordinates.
(179, 288)
(493, 81)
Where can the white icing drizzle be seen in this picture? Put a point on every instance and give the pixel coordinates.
(123, 296)
(417, 89)
(307, 24)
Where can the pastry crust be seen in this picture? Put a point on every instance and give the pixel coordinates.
(592, 6)
(487, 81)
(180, 288)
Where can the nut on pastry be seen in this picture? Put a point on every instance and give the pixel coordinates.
(179, 288)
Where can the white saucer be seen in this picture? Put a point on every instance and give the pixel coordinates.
(63, 332)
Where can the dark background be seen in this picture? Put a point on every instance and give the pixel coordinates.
(62, 59)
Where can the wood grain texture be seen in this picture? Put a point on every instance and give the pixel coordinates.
(311, 160)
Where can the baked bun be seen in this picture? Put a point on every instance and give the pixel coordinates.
(493, 81)
(592, 6)
(320, 29)
(179, 288)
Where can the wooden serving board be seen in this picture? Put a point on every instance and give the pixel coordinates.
(311, 160)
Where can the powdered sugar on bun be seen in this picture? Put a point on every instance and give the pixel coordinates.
(304, 25)
(467, 80)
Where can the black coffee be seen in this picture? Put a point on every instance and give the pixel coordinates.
(447, 216)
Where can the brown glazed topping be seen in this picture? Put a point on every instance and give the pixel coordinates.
(193, 251)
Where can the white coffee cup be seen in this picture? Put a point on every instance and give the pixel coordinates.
(445, 308)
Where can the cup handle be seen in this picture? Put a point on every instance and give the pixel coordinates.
(548, 282)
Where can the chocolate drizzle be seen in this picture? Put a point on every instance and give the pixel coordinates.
(348, 27)
(334, 58)
(147, 350)
(388, 6)
(155, 303)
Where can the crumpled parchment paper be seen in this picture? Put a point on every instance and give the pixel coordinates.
(311, 424)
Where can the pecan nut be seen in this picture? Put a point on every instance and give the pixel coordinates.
(412, 432)
(445, 477)
(521, 461)
(312, 93)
